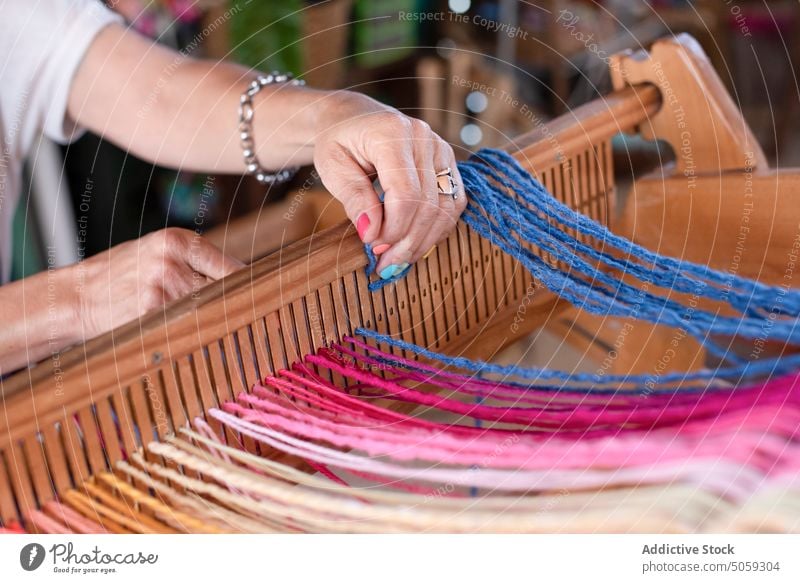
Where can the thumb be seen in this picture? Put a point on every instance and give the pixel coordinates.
(206, 259)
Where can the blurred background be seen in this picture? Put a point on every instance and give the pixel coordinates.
(479, 72)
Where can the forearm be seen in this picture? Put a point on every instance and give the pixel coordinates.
(39, 318)
(182, 112)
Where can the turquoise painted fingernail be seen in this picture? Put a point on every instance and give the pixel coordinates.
(389, 271)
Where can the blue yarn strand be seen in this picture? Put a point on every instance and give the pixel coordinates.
(511, 209)
(591, 382)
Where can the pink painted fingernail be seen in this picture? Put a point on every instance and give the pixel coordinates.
(362, 224)
(377, 250)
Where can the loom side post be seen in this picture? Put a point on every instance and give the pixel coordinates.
(699, 119)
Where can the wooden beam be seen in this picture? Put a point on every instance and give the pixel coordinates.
(747, 223)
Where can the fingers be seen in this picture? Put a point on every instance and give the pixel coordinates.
(139, 276)
(210, 262)
(179, 280)
(410, 214)
(437, 213)
(185, 262)
(197, 253)
(350, 183)
(449, 209)
(396, 161)
(406, 155)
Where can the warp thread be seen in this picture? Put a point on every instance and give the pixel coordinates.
(727, 455)
(511, 209)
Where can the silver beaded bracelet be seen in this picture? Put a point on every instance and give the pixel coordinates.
(246, 113)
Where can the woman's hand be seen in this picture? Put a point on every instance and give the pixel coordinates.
(134, 277)
(360, 139)
(47, 312)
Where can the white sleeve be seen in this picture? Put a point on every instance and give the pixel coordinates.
(42, 42)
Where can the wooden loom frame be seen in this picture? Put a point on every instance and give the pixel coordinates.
(75, 415)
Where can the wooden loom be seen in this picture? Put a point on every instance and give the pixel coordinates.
(75, 415)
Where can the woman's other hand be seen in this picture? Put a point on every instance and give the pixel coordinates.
(45, 313)
(132, 278)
